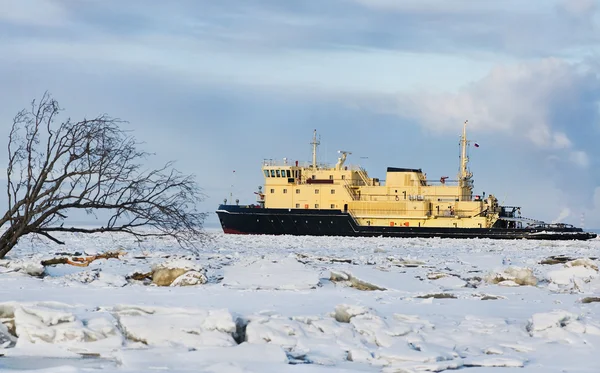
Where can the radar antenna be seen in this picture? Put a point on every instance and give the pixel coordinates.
(342, 159)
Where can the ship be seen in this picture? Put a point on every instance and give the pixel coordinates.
(343, 200)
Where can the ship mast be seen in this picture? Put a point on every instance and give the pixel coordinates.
(464, 175)
(314, 144)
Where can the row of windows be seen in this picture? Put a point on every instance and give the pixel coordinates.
(278, 173)
(330, 177)
(316, 206)
(298, 191)
(288, 174)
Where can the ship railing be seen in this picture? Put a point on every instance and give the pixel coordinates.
(458, 213)
(391, 214)
(289, 163)
(348, 186)
(362, 173)
(303, 164)
(536, 224)
(438, 182)
(349, 183)
(362, 212)
(409, 197)
(368, 212)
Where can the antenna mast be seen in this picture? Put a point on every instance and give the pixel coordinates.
(464, 175)
(314, 144)
(464, 159)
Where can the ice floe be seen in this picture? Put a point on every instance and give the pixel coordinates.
(294, 304)
(268, 274)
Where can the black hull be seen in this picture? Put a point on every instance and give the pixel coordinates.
(250, 220)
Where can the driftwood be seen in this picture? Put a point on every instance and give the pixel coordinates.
(140, 276)
(590, 300)
(437, 296)
(556, 259)
(83, 261)
(305, 258)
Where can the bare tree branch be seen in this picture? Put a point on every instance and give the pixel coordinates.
(90, 165)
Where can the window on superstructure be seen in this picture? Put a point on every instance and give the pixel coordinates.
(330, 177)
(316, 205)
(272, 190)
(343, 177)
(297, 205)
(332, 191)
(266, 173)
(297, 191)
(272, 173)
(313, 177)
(289, 174)
(316, 191)
(285, 191)
(277, 173)
(332, 206)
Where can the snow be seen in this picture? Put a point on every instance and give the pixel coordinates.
(513, 276)
(576, 275)
(28, 266)
(301, 304)
(274, 274)
(185, 328)
(178, 263)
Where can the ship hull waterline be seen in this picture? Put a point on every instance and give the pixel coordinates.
(269, 221)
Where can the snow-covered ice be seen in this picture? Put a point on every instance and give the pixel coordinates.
(302, 304)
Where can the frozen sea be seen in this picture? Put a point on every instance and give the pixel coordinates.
(304, 304)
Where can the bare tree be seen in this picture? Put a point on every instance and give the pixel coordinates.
(92, 165)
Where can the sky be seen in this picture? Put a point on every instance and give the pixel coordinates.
(218, 86)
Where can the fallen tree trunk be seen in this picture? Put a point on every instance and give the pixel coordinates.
(82, 261)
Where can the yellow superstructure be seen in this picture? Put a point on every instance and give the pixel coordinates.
(406, 198)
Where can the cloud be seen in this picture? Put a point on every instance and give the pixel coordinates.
(590, 216)
(33, 12)
(483, 29)
(546, 102)
(436, 6)
(578, 9)
(580, 158)
(596, 198)
(510, 27)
